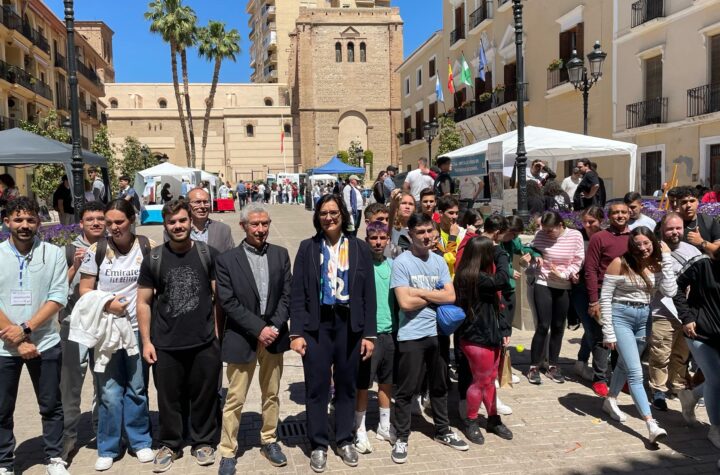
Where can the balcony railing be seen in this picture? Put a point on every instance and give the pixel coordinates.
(457, 35)
(92, 111)
(62, 101)
(556, 77)
(407, 137)
(483, 13)
(36, 37)
(703, 100)
(653, 111)
(103, 118)
(17, 75)
(13, 21)
(478, 107)
(645, 10)
(88, 73)
(60, 61)
(8, 123)
(510, 94)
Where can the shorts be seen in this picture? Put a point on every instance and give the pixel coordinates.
(380, 364)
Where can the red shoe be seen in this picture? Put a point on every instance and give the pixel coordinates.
(600, 388)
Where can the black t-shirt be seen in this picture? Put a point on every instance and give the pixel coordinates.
(444, 184)
(589, 180)
(63, 193)
(183, 309)
(709, 228)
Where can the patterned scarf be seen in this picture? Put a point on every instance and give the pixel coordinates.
(335, 275)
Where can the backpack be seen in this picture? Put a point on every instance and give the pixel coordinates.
(156, 259)
(379, 192)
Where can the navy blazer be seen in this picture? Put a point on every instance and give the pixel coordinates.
(305, 296)
(239, 297)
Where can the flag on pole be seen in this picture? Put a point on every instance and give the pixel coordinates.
(282, 135)
(466, 74)
(438, 89)
(482, 63)
(451, 82)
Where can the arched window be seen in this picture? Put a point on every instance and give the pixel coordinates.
(351, 52)
(268, 101)
(338, 52)
(250, 130)
(162, 103)
(113, 103)
(363, 53)
(287, 129)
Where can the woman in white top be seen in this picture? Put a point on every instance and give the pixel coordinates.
(630, 282)
(123, 401)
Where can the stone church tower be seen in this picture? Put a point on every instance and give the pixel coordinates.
(344, 84)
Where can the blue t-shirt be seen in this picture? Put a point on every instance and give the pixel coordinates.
(241, 189)
(411, 271)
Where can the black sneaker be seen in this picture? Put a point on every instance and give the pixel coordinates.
(660, 404)
(318, 460)
(274, 454)
(495, 426)
(472, 432)
(555, 374)
(533, 375)
(452, 440)
(227, 466)
(399, 452)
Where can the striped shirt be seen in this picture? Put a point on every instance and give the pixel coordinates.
(565, 254)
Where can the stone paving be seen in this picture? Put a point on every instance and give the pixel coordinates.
(559, 428)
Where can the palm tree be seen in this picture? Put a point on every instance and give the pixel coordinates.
(187, 37)
(172, 21)
(214, 43)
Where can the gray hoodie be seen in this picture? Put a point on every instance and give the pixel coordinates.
(74, 288)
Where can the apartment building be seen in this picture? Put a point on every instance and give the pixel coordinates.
(667, 99)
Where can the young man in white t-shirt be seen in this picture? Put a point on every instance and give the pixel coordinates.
(418, 179)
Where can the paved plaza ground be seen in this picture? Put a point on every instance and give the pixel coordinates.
(559, 428)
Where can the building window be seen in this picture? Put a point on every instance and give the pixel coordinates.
(407, 86)
(431, 68)
(432, 111)
(351, 52)
(338, 52)
(288, 129)
(363, 53)
(250, 130)
(651, 181)
(113, 103)
(162, 103)
(419, 124)
(268, 102)
(571, 40)
(418, 79)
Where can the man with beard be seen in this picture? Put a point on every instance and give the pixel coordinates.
(668, 351)
(214, 233)
(32, 291)
(179, 338)
(604, 246)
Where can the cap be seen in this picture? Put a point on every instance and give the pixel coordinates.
(354, 177)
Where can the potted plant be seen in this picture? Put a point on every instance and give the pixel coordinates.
(466, 104)
(400, 135)
(555, 65)
(485, 96)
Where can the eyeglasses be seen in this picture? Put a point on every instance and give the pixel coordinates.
(200, 203)
(332, 214)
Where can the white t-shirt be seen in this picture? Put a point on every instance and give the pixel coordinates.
(418, 182)
(118, 274)
(469, 186)
(569, 185)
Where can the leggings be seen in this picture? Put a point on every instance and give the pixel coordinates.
(483, 362)
(551, 306)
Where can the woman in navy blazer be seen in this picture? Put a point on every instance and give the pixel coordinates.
(332, 324)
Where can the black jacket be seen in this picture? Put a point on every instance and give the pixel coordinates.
(484, 323)
(702, 304)
(305, 297)
(239, 297)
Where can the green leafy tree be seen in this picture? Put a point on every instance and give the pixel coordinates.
(46, 178)
(136, 157)
(343, 156)
(354, 151)
(215, 44)
(101, 146)
(448, 137)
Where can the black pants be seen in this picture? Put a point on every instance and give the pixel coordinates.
(333, 349)
(187, 380)
(415, 355)
(45, 376)
(551, 306)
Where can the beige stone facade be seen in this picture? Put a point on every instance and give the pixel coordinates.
(33, 69)
(667, 99)
(343, 80)
(244, 133)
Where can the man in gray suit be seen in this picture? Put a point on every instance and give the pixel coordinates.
(216, 234)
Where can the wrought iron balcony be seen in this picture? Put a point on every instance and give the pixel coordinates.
(60, 61)
(556, 77)
(653, 111)
(457, 35)
(510, 94)
(36, 37)
(703, 100)
(17, 75)
(645, 10)
(88, 73)
(92, 111)
(62, 100)
(484, 12)
(13, 21)
(10, 19)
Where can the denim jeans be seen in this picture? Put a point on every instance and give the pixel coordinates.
(45, 375)
(632, 327)
(592, 337)
(123, 405)
(708, 358)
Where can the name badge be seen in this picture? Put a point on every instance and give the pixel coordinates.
(21, 297)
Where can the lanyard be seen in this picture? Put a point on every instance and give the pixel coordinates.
(22, 260)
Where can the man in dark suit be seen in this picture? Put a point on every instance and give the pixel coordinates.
(253, 286)
(216, 234)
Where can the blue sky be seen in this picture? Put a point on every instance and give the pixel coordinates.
(143, 57)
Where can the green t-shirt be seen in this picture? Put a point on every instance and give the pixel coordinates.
(385, 302)
(516, 247)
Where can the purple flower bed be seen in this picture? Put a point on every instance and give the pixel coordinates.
(57, 234)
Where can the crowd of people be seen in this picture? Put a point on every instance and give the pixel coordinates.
(428, 293)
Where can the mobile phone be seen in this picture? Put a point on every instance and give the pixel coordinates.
(122, 300)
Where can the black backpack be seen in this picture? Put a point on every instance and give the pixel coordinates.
(156, 259)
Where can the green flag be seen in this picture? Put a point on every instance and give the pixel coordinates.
(466, 74)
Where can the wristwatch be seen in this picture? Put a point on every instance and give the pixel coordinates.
(25, 328)
(703, 244)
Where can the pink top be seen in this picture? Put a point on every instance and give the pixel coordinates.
(566, 253)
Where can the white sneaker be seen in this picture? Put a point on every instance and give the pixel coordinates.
(387, 434)
(145, 455)
(655, 432)
(502, 409)
(688, 401)
(362, 444)
(514, 378)
(57, 467)
(714, 436)
(103, 463)
(5, 471)
(610, 406)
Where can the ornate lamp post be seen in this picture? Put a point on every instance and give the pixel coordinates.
(431, 131)
(521, 156)
(578, 75)
(76, 154)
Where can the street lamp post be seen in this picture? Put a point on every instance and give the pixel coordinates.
(578, 76)
(521, 156)
(431, 131)
(76, 154)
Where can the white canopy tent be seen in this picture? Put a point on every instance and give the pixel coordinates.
(323, 177)
(553, 146)
(172, 173)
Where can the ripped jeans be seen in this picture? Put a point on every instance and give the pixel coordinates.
(632, 327)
